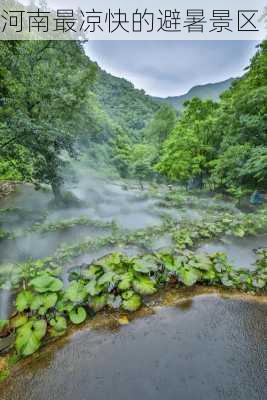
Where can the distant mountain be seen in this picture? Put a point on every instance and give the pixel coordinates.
(209, 91)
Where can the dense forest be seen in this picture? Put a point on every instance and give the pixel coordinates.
(55, 104)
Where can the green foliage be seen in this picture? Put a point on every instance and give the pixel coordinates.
(144, 286)
(130, 108)
(187, 150)
(46, 283)
(161, 125)
(24, 300)
(223, 143)
(59, 325)
(120, 285)
(132, 303)
(45, 86)
(77, 315)
(29, 336)
(76, 292)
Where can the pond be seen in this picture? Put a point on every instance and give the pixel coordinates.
(206, 347)
(241, 252)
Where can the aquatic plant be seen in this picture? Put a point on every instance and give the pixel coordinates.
(45, 308)
(62, 225)
(185, 235)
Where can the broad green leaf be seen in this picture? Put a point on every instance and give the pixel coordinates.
(29, 336)
(201, 262)
(3, 324)
(18, 321)
(43, 302)
(126, 281)
(24, 300)
(76, 292)
(78, 315)
(145, 264)
(107, 278)
(93, 272)
(46, 283)
(143, 285)
(63, 305)
(189, 276)
(132, 303)
(97, 303)
(93, 288)
(37, 302)
(59, 323)
(127, 294)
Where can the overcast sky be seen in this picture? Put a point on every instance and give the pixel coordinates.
(171, 68)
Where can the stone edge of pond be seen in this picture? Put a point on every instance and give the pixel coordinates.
(8, 187)
(112, 321)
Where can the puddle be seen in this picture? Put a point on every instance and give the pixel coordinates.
(205, 348)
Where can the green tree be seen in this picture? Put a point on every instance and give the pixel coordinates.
(44, 87)
(187, 151)
(161, 125)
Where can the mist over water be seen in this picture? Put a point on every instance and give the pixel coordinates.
(102, 200)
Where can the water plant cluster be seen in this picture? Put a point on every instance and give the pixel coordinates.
(61, 225)
(45, 308)
(190, 234)
(185, 234)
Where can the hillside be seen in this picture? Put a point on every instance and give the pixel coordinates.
(208, 91)
(128, 107)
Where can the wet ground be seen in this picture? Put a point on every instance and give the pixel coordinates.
(203, 348)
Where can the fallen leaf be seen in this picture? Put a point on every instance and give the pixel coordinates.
(123, 320)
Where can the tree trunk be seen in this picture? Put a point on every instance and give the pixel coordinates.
(57, 192)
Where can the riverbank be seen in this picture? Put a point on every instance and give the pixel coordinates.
(7, 187)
